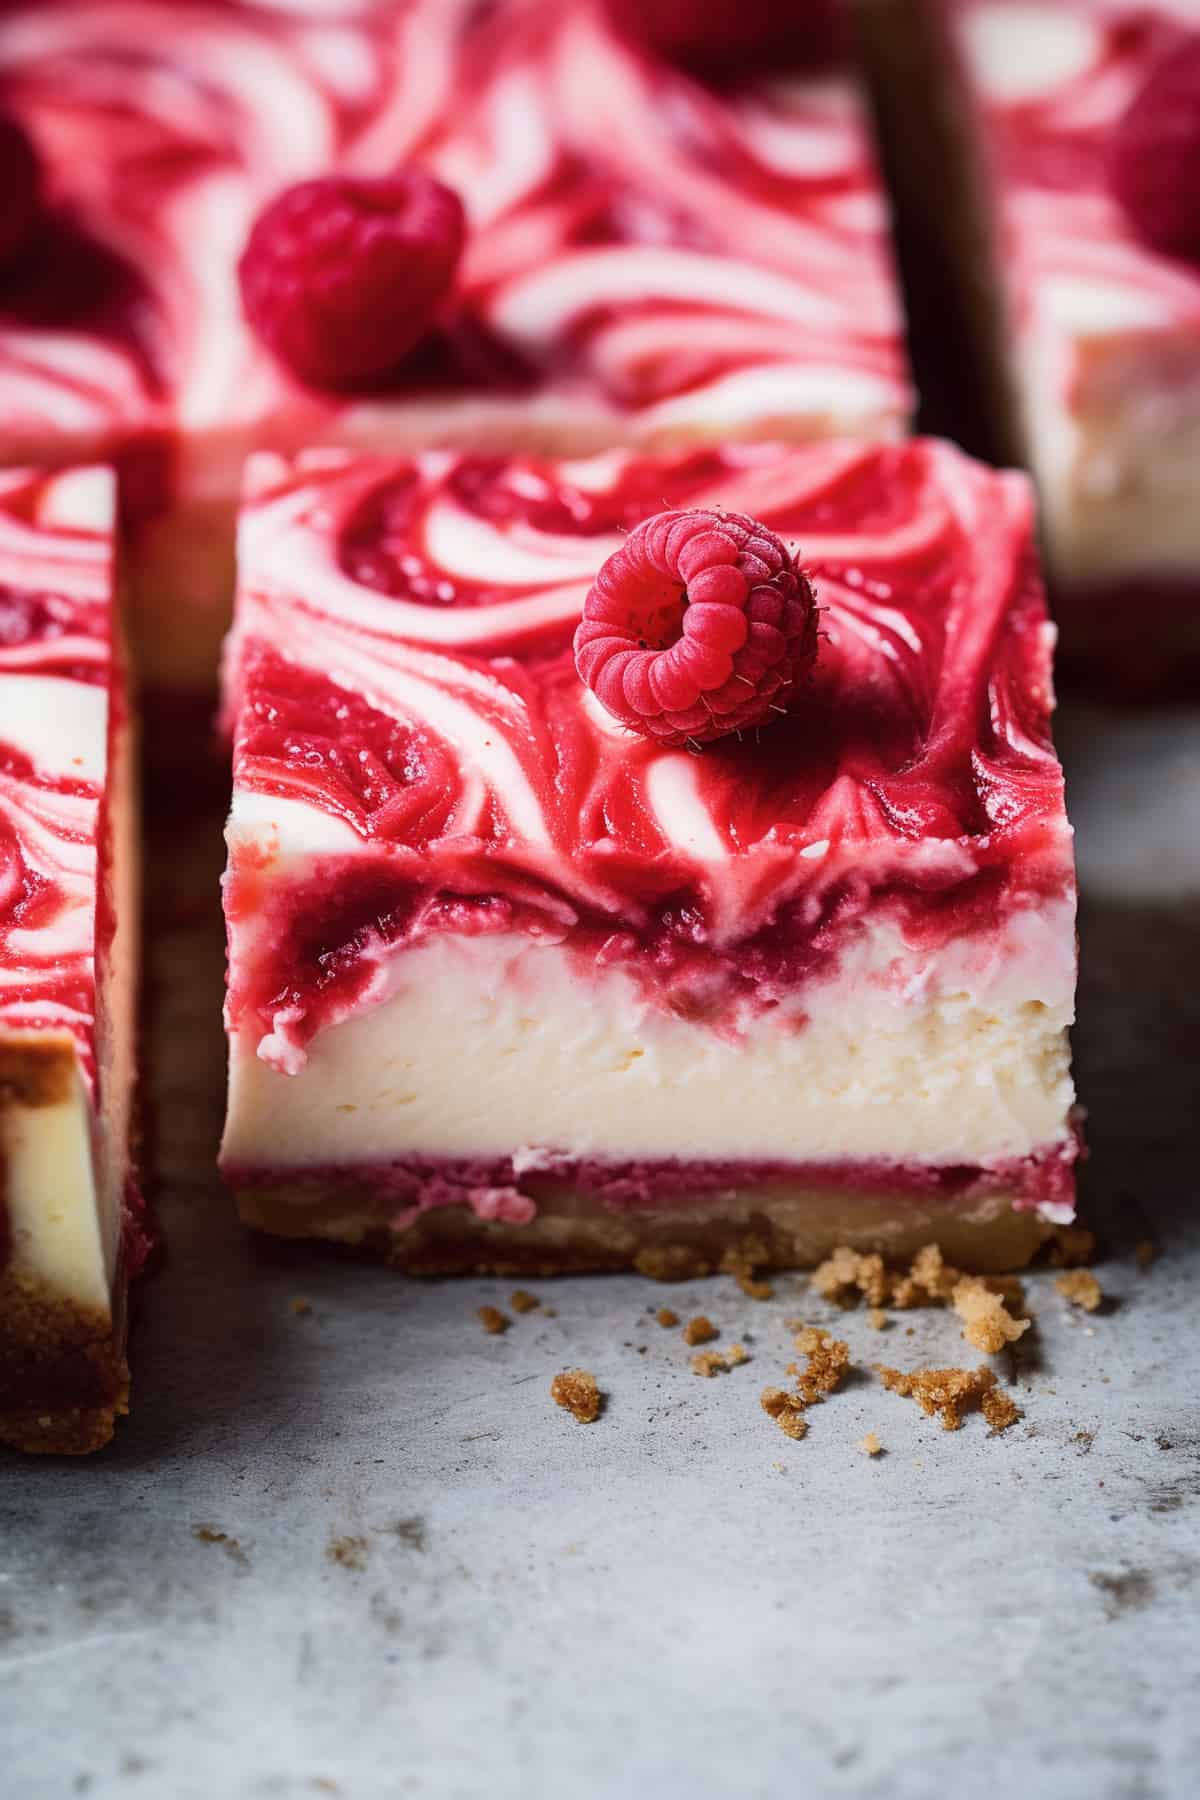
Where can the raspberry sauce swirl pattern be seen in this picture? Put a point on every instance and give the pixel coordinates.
(1055, 83)
(401, 681)
(670, 262)
(55, 705)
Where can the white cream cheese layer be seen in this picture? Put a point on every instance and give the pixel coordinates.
(480, 1047)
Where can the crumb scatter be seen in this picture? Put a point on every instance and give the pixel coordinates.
(666, 1318)
(719, 1362)
(987, 1323)
(951, 1393)
(300, 1306)
(870, 1445)
(1080, 1288)
(1146, 1251)
(493, 1320)
(522, 1301)
(578, 1392)
(699, 1330)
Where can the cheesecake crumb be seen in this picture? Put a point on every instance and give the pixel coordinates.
(522, 1301)
(666, 1318)
(755, 1289)
(671, 1262)
(578, 1391)
(828, 1359)
(1146, 1251)
(492, 1320)
(718, 1362)
(846, 1274)
(999, 1409)
(987, 1323)
(786, 1409)
(1081, 1288)
(870, 1445)
(1072, 1246)
(877, 1319)
(950, 1393)
(699, 1330)
(300, 1306)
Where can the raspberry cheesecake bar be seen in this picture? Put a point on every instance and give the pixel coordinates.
(593, 898)
(394, 226)
(70, 1219)
(1077, 123)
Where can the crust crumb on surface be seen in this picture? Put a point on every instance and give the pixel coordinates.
(492, 1320)
(578, 1391)
(666, 1318)
(951, 1393)
(786, 1409)
(1146, 1252)
(1071, 1246)
(869, 1445)
(522, 1301)
(999, 1409)
(828, 1359)
(300, 1306)
(1081, 1288)
(741, 1260)
(700, 1330)
(349, 1552)
(719, 1362)
(671, 1262)
(987, 1323)
(847, 1274)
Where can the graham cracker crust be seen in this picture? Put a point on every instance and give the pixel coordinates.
(786, 1227)
(64, 1379)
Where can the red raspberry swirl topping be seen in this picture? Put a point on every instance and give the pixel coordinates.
(698, 626)
(341, 277)
(20, 187)
(722, 35)
(1154, 158)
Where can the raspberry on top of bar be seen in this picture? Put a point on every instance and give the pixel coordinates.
(474, 918)
(70, 1227)
(648, 256)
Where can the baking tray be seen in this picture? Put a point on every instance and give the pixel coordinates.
(355, 1549)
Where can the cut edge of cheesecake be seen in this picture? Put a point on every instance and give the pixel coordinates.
(67, 1168)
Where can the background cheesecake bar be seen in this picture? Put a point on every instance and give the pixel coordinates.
(648, 259)
(512, 986)
(1083, 320)
(70, 1218)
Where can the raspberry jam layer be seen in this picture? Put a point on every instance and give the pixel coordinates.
(647, 254)
(415, 754)
(507, 1192)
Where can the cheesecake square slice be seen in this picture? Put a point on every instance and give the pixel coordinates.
(1084, 313)
(71, 1225)
(514, 986)
(649, 256)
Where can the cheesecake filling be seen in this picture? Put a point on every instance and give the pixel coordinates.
(488, 947)
(1103, 333)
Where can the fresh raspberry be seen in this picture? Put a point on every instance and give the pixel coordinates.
(341, 277)
(20, 187)
(728, 35)
(699, 625)
(1154, 154)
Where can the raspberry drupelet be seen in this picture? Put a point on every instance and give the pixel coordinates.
(341, 277)
(699, 626)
